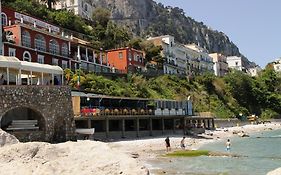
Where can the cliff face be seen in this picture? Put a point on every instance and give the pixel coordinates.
(147, 18)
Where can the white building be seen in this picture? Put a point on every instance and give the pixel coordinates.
(175, 59)
(200, 61)
(235, 62)
(254, 71)
(220, 64)
(83, 8)
(277, 65)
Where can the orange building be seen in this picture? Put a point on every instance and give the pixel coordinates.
(126, 60)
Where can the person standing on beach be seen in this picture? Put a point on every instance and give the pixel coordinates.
(168, 146)
(182, 143)
(228, 145)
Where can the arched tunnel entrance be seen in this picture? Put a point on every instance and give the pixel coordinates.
(25, 123)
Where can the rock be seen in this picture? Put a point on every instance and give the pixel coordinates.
(135, 155)
(7, 139)
(275, 172)
(242, 134)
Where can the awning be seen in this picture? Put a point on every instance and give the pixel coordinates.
(15, 63)
(10, 62)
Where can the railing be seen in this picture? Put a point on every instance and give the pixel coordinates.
(94, 112)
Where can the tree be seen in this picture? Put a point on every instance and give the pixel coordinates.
(101, 16)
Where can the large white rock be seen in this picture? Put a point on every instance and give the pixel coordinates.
(275, 172)
(7, 139)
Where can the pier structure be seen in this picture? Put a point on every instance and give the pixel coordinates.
(114, 127)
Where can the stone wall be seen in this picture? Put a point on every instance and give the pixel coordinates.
(52, 102)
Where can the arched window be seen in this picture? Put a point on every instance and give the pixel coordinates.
(54, 47)
(26, 40)
(26, 56)
(4, 19)
(40, 42)
(64, 50)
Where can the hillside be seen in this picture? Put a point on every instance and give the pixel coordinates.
(147, 18)
(225, 97)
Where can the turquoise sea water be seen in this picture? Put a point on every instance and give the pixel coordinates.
(260, 153)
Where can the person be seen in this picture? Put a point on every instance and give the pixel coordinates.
(182, 143)
(2, 80)
(56, 81)
(168, 146)
(228, 145)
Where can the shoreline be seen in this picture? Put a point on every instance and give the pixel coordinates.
(120, 157)
(151, 149)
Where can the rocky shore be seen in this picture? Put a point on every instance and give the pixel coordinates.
(82, 157)
(91, 157)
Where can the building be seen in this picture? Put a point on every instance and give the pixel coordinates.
(175, 58)
(83, 8)
(220, 64)
(126, 60)
(31, 39)
(235, 62)
(199, 60)
(254, 71)
(277, 65)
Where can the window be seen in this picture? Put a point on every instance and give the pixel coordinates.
(85, 7)
(26, 40)
(40, 59)
(130, 56)
(64, 50)
(26, 56)
(236, 63)
(4, 19)
(120, 55)
(40, 42)
(136, 57)
(54, 47)
(12, 52)
(55, 61)
(64, 64)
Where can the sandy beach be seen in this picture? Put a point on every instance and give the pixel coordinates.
(151, 147)
(92, 157)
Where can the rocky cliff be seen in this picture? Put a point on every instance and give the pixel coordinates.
(147, 18)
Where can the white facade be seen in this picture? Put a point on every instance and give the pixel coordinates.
(254, 71)
(220, 64)
(199, 60)
(175, 59)
(83, 8)
(277, 65)
(235, 62)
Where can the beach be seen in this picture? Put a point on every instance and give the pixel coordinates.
(93, 157)
(151, 147)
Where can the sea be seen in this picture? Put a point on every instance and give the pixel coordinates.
(255, 155)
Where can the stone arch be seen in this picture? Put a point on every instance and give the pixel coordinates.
(23, 113)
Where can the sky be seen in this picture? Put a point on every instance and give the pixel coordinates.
(253, 25)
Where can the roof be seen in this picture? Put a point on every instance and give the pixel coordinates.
(15, 63)
(85, 94)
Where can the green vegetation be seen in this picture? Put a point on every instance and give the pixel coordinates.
(225, 97)
(187, 153)
(100, 31)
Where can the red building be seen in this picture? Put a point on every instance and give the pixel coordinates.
(126, 60)
(31, 39)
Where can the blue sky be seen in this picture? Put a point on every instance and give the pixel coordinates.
(253, 25)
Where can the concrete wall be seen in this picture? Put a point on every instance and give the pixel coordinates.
(53, 103)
